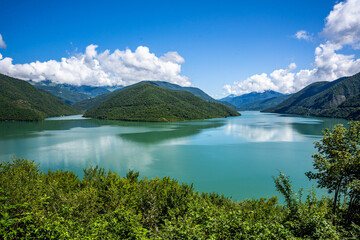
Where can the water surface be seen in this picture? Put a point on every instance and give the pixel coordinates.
(234, 156)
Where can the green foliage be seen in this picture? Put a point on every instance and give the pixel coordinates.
(20, 101)
(88, 104)
(338, 167)
(148, 102)
(103, 205)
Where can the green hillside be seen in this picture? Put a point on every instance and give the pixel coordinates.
(88, 104)
(20, 101)
(195, 91)
(148, 102)
(339, 98)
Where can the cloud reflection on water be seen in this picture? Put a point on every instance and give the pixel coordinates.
(263, 133)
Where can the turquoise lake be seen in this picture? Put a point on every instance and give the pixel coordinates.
(234, 156)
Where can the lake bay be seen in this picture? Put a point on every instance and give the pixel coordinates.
(235, 156)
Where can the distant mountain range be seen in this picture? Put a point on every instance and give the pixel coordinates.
(71, 93)
(255, 100)
(20, 101)
(34, 101)
(339, 98)
(147, 101)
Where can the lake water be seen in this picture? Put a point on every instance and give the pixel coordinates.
(235, 156)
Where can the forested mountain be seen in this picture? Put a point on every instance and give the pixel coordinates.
(20, 101)
(90, 103)
(255, 100)
(148, 102)
(195, 91)
(338, 98)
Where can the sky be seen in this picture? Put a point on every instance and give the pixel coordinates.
(223, 47)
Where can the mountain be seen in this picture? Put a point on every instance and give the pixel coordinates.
(265, 103)
(255, 100)
(148, 102)
(68, 96)
(195, 91)
(339, 98)
(90, 103)
(20, 101)
(71, 93)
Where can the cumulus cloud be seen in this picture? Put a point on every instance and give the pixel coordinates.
(280, 80)
(102, 69)
(172, 57)
(2, 43)
(343, 23)
(302, 34)
(342, 27)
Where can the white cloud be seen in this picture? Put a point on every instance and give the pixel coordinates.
(343, 23)
(302, 34)
(172, 57)
(2, 43)
(102, 69)
(342, 28)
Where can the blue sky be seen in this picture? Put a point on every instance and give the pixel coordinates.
(221, 42)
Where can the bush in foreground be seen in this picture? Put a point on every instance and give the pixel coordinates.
(59, 205)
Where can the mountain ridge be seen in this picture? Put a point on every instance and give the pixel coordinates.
(256, 100)
(91, 103)
(148, 102)
(339, 98)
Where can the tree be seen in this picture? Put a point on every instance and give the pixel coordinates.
(338, 163)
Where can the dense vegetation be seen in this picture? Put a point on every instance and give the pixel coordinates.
(20, 101)
(148, 102)
(255, 100)
(88, 104)
(195, 91)
(104, 205)
(340, 98)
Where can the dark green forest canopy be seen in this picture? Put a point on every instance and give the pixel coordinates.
(88, 104)
(20, 101)
(148, 102)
